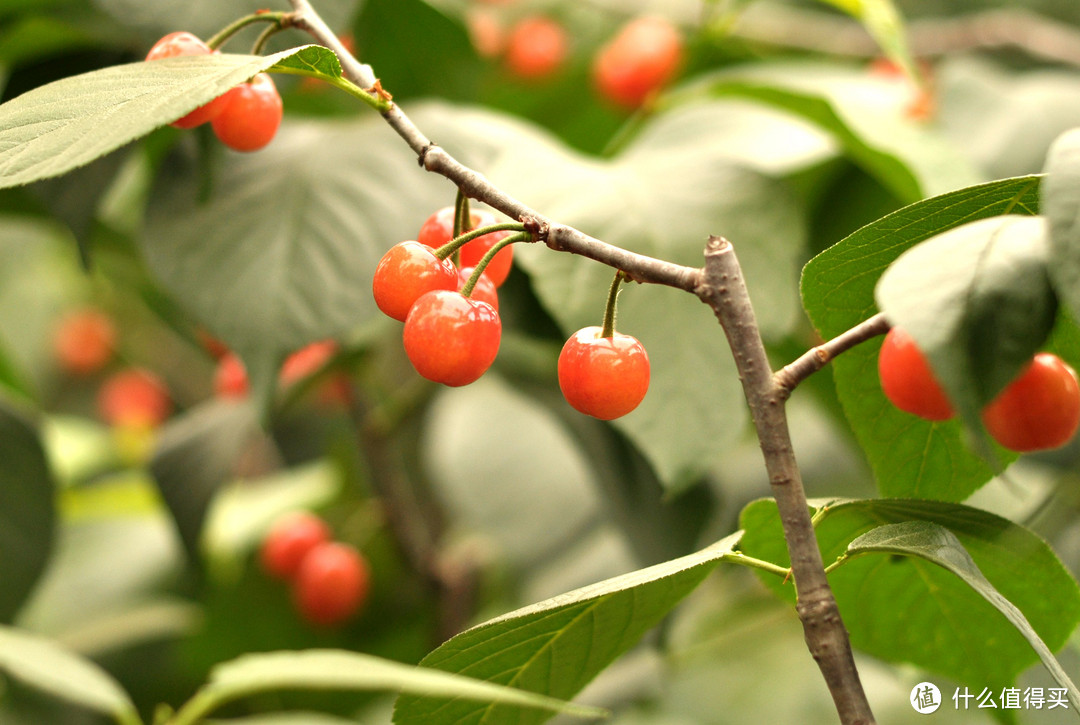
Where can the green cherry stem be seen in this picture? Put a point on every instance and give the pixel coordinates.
(461, 213)
(737, 557)
(458, 242)
(279, 21)
(609, 310)
(490, 255)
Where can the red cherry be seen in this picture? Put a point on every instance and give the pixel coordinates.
(289, 540)
(450, 338)
(439, 229)
(907, 380)
(644, 55)
(182, 43)
(605, 377)
(230, 377)
(405, 273)
(84, 341)
(484, 289)
(251, 118)
(1039, 410)
(498, 268)
(134, 398)
(331, 584)
(307, 360)
(536, 48)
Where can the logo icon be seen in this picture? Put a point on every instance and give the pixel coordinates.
(925, 697)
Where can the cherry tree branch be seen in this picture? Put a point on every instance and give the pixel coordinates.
(724, 290)
(788, 377)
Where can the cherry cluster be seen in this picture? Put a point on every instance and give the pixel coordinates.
(641, 58)
(330, 580)
(452, 327)
(1038, 410)
(245, 118)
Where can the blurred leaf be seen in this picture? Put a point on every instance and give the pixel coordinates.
(61, 126)
(196, 454)
(283, 252)
(42, 665)
(938, 545)
(27, 515)
(944, 620)
(36, 37)
(977, 300)
(285, 718)
(340, 670)
(864, 114)
(882, 20)
(557, 646)
(910, 456)
(1061, 205)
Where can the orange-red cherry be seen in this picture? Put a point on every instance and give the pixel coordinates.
(908, 381)
(1039, 410)
(451, 339)
(134, 398)
(252, 115)
(644, 55)
(332, 583)
(405, 273)
(484, 289)
(289, 540)
(605, 377)
(438, 229)
(536, 48)
(84, 341)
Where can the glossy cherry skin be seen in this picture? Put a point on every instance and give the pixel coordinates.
(182, 43)
(907, 380)
(252, 115)
(405, 273)
(451, 339)
(536, 48)
(644, 55)
(605, 377)
(331, 584)
(84, 341)
(289, 540)
(439, 229)
(1039, 410)
(134, 398)
(484, 289)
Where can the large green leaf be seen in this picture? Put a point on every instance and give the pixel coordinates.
(557, 646)
(41, 664)
(863, 113)
(66, 124)
(661, 196)
(27, 515)
(1061, 204)
(938, 545)
(977, 300)
(910, 456)
(908, 610)
(340, 670)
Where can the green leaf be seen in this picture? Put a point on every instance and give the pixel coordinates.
(66, 124)
(557, 646)
(1061, 205)
(938, 545)
(340, 670)
(978, 302)
(41, 664)
(946, 627)
(884, 23)
(27, 514)
(909, 456)
(864, 114)
(283, 251)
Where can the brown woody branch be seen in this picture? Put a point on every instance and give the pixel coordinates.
(788, 377)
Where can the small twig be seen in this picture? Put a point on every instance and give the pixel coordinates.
(724, 290)
(788, 377)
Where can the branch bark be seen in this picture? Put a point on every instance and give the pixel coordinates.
(724, 290)
(788, 377)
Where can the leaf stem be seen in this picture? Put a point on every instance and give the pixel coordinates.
(279, 21)
(737, 557)
(377, 102)
(488, 256)
(609, 308)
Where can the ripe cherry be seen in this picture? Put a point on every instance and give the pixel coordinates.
(644, 55)
(405, 273)
(334, 389)
(134, 398)
(183, 43)
(605, 377)
(252, 115)
(907, 380)
(230, 377)
(84, 341)
(450, 338)
(1039, 410)
(485, 31)
(536, 48)
(484, 289)
(289, 540)
(439, 229)
(331, 584)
